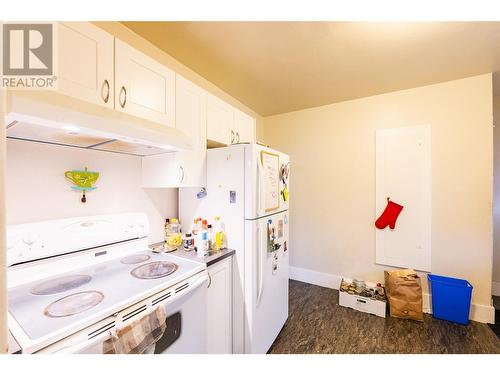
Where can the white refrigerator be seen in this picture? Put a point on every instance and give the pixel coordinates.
(248, 187)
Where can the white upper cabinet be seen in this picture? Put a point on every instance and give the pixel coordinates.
(85, 63)
(244, 127)
(227, 125)
(220, 121)
(191, 111)
(161, 171)
(185, 168)
(191, 118)
(143, 87)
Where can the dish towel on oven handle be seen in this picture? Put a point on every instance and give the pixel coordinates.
(138, 336)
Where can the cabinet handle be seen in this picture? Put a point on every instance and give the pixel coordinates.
(237, 137)
(105, 85)
(182, 171)
(209, 280)
(232, 136)
(123, 97)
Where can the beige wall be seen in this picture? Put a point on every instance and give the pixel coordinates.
(496, 190)
(332, 151)
(37, 189)
(128, 36)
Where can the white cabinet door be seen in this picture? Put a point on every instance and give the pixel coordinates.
(174, 170)
(143, 87)
(160, 171)
(244, 127)
(190, 117)
(85, 63)
(219, 311)
(220, 121)
(184, 168)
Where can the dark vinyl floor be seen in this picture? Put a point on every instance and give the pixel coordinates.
(496, 302)
(317, 324)
(496, 327)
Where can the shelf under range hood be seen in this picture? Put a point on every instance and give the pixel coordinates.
(84, 126)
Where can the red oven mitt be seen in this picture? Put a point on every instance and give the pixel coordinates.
(389, 216)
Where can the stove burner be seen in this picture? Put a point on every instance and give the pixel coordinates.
(73, 304)
(60, 284)
(154, 270)
(134, 259)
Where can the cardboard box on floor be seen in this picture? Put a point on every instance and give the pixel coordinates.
(360, 303)
(404, 294)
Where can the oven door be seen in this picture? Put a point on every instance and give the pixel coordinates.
(186, 331)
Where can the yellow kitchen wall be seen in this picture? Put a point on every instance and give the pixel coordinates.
(128, 36)
(332, 206)
(496, 196)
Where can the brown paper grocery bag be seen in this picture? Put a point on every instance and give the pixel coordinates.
(404, 294)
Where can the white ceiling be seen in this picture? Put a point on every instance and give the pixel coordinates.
(276, 67)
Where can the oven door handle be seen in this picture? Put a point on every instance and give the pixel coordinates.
(79, 347)
(70, 349)
(194, 285)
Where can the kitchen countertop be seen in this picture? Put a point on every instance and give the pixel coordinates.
(213, 258)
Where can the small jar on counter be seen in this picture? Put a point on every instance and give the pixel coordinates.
(188, 242)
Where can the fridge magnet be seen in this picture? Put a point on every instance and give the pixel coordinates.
(82, 180)
(280, 229)
(284, 171)
(272, 244)
(232, 196)
(389, 216)
(284, 193)
(201, 194)
(275, 264)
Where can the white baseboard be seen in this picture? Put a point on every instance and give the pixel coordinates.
(478, 313)
(426, 303)
(314, 277)
(495, 288)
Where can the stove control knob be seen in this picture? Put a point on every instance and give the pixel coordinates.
(29, 240)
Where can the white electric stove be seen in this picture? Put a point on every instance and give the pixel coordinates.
(72, 282)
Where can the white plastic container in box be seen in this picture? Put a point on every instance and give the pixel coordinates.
(363, 304)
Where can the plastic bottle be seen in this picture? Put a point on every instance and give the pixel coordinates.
(194, 231)
(175, 225)
(202, 243)
(166, 228)
(210, 237)
(173, 235)
(219, 242)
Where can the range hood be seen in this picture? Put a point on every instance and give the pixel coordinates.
(50, 118)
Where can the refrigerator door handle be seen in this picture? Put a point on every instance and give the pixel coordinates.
(260, 285)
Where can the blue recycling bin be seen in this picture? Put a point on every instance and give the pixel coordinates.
(450, 298)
